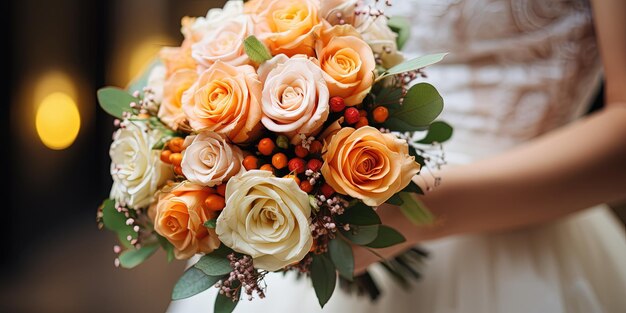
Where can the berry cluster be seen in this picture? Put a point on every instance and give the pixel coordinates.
(244, 276)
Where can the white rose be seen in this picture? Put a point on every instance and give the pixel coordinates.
(217, 17)
(136, 169)
(209, 160)
(267, 218)
(380, 37)
(225, 43)
(295, 96)
(156, 80)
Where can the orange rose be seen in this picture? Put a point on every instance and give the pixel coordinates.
(171, 111)
(225, 99)
(180, 216)
(348, 63)
(367, 164)
(290, 27)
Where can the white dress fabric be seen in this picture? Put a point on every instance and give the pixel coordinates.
(516, 69)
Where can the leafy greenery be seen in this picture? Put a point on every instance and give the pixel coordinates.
(142, 81)
(115, 101)
(361, 235)
(167, 246)
(256, 50)
(437, 132)
(387, 237)
(421, 105)
(341, 254)
(210, 223)
(324, 278)
(214, 265)
(389, 96)
(413, 188)
(414, 210)
(133, 257)
(359, 214)
(116, 222)
(401, 26)
(413, 64)
(224, 304)
(193, 282)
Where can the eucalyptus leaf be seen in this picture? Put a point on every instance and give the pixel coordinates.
(401, 26)
(414, 210)
(395, 200)
(133, 257)
(361, 235)
(341, 254)
(211, 223)
(256, 50)
(115, 101)
(142, 80)
(116, 222)
(167, 246)
(214, 265)
(387, 237)
(388, 96)
(421, 105)
(193, 282)
(437, 132)
(224, 304)
(413, 188)
(414, 64)
(323, 277)
(359, 214)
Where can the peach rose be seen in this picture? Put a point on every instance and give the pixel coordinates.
(290, 27)
(295, 96)
(177, 58)
(225, 99)
(209, 160)
(367, 164)
(171, 111)
(180, 217)
(224, 43)
(348, 63)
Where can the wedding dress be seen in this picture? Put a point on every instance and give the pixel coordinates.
(516, 69)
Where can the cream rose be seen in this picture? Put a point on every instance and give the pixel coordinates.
(338, 12)
(209, 160)
(348, 63)
(267, 218)
(225, 43)
(295, 96)
(380, 38)
(156, 80)
(225, 99)
(171, 111)
(367, 164)
(289, 27)
(215, 18)
(180, 216)
(136, 169)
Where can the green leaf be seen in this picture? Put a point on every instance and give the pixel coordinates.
(214, 265)
(437, 132)
(395, 200)
(401, 26)
(387, 237)
(359, 214)
(256, 50)
(323, 277)
(116, 222)
(414, 210)
(193, 282)
(421, 105)
(210, 223)
(115, 101)
(224, 304)
(414, 64)
(167, 246)
(389, 96)
(133, 257)
(361, 235)
(341, 254)
(413, 188)
(142, 81)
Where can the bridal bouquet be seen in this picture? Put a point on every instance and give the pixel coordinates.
(266, 141)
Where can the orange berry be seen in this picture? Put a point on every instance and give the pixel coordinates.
(306, 186)
(250, 162)
(327, 190)
(316, 147)
(301, 151)
(279, 160)
(362, 113)
(380, 114)
(215, 202)
(176, 144)
(176, 159)
(178, 170)
(314, 165)
(221, 189)
(267, 167)
(266, 146)
(165, 156)
(337, 104)
(362, 122)
(351, 115)
(294, 177)
(297, 165)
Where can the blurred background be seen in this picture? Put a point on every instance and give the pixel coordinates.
(55, 149)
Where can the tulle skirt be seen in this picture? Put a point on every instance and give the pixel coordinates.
(575, 265)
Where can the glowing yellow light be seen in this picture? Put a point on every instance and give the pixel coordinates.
(57, 121)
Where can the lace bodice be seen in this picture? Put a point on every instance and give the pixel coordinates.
(516, 68)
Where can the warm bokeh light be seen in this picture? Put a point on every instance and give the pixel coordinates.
(144, 53)
(57, 121)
